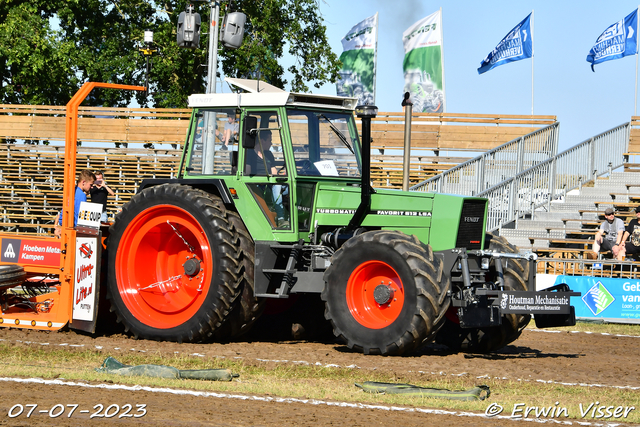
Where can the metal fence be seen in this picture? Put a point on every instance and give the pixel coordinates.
(496, 165)
(589, 268)
(551, 179)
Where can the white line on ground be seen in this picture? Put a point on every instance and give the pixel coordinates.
(332, 365)
(286, 400)
(583, 332)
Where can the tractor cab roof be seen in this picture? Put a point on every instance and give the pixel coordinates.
(257, 93)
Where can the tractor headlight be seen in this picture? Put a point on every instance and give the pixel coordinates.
(484, 264)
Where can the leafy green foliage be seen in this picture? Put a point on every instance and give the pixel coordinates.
(48, 48)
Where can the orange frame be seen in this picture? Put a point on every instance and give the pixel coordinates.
(62, 298)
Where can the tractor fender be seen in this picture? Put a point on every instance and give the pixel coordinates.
(211, 186)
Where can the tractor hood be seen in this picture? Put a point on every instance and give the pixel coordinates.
(434, 218)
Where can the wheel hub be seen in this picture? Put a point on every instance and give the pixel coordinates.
(383, 294)
(191, 267)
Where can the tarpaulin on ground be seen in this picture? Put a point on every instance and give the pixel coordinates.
(112, 366)
(480, 392)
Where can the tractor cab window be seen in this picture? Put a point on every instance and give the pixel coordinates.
(214, 142)
(324, 144)
(266, 159)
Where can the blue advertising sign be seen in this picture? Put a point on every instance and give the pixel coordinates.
(605, 298)
(516, 45)
(617, 41)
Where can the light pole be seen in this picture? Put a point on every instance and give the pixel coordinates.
(148, 52)
(213, 46)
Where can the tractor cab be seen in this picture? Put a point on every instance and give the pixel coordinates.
(273, 149)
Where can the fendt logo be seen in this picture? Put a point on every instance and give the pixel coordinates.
(471, 219)
(10, 251)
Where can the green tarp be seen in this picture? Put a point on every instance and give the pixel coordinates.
(112, 366)
(480, 392)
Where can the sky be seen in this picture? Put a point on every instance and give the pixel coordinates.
(585, 103)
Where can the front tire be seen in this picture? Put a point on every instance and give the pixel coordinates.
(385, 293)
(173, 266)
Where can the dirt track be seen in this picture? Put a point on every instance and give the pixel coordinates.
(560, 357)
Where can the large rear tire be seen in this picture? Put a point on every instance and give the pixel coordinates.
(385, 293)
(11, 275)
(486, 340)
(247, 308)
(173, 264)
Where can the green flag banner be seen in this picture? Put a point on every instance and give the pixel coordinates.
(423, 65)
(357, 76)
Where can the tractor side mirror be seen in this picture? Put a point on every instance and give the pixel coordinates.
(250, 130)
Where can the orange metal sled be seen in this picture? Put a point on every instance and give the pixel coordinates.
(49, 261)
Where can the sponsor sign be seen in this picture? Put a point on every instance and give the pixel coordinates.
(357, 76)
(30, 252)
(603, 297)
(89, 215)
(85, 277)
(423, 64)
(521, 302)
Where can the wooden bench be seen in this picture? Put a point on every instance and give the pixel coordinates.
(618, 206)
(562, 252)
(633, 198)
(562, 241)
(625, 216)
(449, 131)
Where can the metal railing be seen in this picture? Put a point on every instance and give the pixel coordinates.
(551, 179)
(590, 268)
(496, 165)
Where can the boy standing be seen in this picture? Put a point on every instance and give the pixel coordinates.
(84, 183)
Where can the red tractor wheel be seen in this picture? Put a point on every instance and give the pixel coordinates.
(385, 293)
(375, 294)
(173, 268)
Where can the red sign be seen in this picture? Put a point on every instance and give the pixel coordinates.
(30, 252)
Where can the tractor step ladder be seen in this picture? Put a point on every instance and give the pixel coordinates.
(287, 279)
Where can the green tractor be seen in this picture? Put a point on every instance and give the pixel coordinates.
(273, 199)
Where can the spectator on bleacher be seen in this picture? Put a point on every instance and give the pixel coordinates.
(99, 192)
(632, 246)
(230, 133)
(609, 236)
(84, 183)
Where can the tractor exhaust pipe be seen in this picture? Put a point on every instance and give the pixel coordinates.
(365, 113)
(408, 109)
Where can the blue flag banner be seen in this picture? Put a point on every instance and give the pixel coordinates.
(516, 45)
(617, 41)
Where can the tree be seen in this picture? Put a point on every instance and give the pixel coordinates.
(48, 48)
